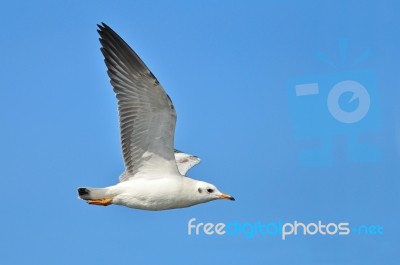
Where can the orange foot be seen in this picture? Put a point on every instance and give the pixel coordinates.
(103, 202)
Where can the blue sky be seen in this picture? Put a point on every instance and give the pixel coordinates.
(231, 69)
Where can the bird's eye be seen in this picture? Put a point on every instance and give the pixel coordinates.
(210, 190)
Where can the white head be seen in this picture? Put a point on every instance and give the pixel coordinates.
(207, 192)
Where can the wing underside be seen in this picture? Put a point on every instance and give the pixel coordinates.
(146, 114)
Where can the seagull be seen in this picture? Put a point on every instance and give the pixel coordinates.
(154, 177)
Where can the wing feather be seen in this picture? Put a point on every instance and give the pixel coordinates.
(185, 161)
(146, 113)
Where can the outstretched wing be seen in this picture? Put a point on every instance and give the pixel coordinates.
(146, 114)
(185, 161)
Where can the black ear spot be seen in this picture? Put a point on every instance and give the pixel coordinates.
(199, 190)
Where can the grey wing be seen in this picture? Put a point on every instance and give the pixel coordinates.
(146, 114)
(185, 161)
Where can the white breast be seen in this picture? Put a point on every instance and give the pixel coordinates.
(152, 193)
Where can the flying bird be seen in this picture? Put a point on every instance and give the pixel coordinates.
(154, 176)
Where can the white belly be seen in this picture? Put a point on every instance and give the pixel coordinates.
(151, 194)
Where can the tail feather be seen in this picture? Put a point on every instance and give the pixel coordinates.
(92, 193)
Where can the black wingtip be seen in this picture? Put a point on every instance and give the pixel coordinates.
(102, 26)
(83, 191)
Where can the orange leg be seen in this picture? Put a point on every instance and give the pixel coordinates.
(103, 202)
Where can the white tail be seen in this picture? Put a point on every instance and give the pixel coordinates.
(92, 193)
